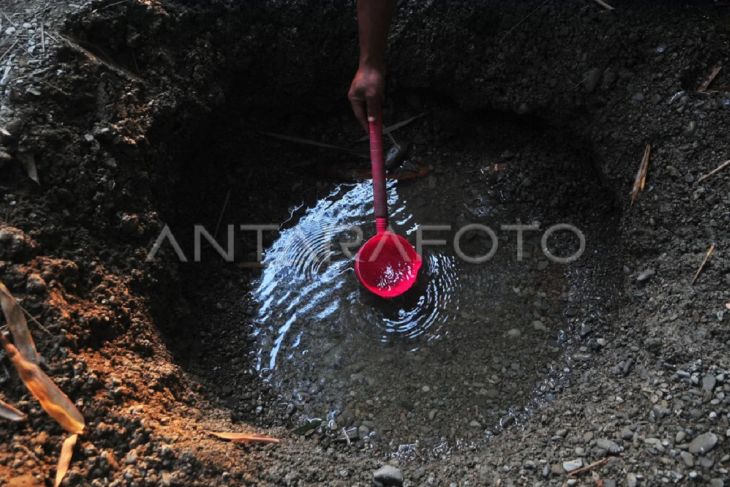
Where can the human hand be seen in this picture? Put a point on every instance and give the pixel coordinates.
(366, 94)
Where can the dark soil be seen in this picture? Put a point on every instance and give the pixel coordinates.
(118, 104)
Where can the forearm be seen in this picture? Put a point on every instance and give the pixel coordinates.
(374, 18)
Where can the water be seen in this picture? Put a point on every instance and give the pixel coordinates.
(442, 364)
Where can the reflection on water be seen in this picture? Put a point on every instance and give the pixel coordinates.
(309, 279)
(441, 363)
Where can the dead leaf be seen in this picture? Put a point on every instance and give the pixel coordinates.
(18, 325)
(9, 411)
(244, 437)
(28, 162)
(52, 399)
(640, 180)
(64, 460)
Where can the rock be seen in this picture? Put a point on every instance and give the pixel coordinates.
(571, 465)
(708, 382)
(388, 475)
(645, 275)
(514, 333)
(538, 325)
(717, 483)
(475, 424)
(608, 445)
(687, 458)
(631, 480)
(35, 284)
(703, 443)
(592, 78)
(15, 244)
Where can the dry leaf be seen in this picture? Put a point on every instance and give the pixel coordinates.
(640, 180)
(64, 460)
(8, 411)
(243, 437)
(18, 325)
(52, 399)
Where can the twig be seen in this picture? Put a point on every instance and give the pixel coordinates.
(223, 211)
(708, 81)
(392, 128)
(347, 437)
(603, 4)
(43, 38)
(109, 5)
(521, 21)
(300, 140)
(709, 253)
(96, 59)
(9, 49)
(714, 171)
(640, 180)
(589, 467)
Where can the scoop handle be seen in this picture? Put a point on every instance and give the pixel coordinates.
(378, 169)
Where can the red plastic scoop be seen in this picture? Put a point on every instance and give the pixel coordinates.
(387, 265)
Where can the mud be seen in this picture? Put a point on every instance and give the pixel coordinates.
(124, 119)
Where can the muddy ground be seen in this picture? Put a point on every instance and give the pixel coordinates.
(115, 105)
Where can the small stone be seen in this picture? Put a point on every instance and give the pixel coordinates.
(538, 325)
(645, 275)
(687, 458)
(426, 389)
(680, 436)
(703, 443)
(609, 483)
(717, 483)
(388, 475)
(708, 382)
(571, 465)
(592, 78)
(631, 480)
(689, 128)
(608, 445)
(514, 333)
(35, 284)
(475, 424)
(627, 434)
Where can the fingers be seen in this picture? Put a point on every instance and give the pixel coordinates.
(375, 107)
(359, 109)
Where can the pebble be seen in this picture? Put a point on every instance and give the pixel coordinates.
(687, 458)
(645, 275)
(571, 465)
(388, 475)
(708, 382)
(514, 333)
(631, 480)
(703, 443)
(475, 424)
(608, 445)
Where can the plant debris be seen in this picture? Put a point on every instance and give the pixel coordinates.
(709, 253)
(18, 325)
(710, 78)
(51, 398)
(64, 460)
(715, 171)
(589, 467)
(303, 141)
(603, 4)
(640, 180)
(243, 437)
(8, 411)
